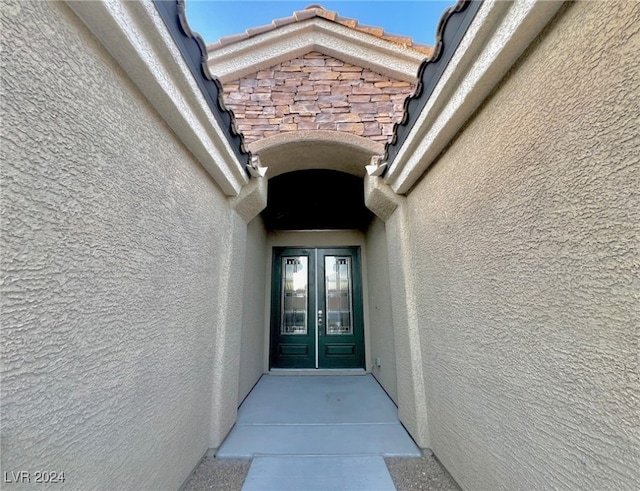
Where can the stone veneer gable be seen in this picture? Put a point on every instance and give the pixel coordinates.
(317, 92)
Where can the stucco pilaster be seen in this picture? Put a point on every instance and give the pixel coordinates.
(228, 332)
(412, 401)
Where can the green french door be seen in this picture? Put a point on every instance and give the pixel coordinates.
(316, 308)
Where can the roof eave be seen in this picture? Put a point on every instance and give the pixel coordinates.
(135, 35)
(496, 37)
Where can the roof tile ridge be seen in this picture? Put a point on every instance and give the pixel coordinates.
(313, 11)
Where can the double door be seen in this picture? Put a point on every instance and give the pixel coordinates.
(316, 309)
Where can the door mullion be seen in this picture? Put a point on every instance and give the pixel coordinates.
(317, 305)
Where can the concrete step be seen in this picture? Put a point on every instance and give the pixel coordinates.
(314, 473)
(389, 440)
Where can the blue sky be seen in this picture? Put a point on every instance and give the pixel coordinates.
(418, 19)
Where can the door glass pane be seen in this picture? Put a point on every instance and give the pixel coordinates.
(294, 295)
(339, 317)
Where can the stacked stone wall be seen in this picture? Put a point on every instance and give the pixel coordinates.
(317, 92)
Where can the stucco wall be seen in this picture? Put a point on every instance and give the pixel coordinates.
(254, 329)
(526, 251)
(111, 238)
(380, 314)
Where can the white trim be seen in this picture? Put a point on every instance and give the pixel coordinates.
(250, 55)
(135, 35)
(496, 38)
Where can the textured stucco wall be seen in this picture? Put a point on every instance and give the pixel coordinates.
(380, 312)
(525, 235)
(111, 245)
(412, 399)
(254, 329)
(225, 376)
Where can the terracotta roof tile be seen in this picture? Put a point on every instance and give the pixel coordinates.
(352, 23)
(254, 31)
(326, 14)
(303, 15)
(232, 39)
(376, 31)
(313, 11)
(397, 39)
(282, 22)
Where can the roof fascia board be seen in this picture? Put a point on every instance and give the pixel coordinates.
(498, 35)
(136, 36)
(250, 55)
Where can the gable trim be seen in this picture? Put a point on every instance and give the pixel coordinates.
(262, 51)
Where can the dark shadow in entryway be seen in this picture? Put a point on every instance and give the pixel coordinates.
(316, 200)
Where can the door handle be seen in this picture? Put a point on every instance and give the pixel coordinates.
(320, 319)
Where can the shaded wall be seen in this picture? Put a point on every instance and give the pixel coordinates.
(380, 313)
(111, 237)
(253, 312)
(525, 238)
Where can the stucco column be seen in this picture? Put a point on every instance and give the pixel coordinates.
(228, 330)
(412, 401)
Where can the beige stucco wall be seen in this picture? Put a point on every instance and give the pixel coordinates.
(225, 373)
(254, 329)
(404, 289)
(525, 238)
(113, 240)
(380, 313)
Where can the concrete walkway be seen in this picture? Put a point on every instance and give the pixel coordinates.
(318, 433)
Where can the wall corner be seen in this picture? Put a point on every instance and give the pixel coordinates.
(412, 393)
(227, 332)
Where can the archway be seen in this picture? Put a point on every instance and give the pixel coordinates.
(316, 199)
(315, 190)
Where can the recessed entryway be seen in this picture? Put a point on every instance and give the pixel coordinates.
(316, 309)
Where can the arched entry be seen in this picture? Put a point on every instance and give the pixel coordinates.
(316, 300)
(316, 199)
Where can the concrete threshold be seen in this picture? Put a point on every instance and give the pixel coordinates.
(288, 372)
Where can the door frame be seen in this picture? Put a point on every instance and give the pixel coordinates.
(316, 347)
(323, 240)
